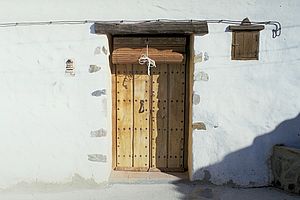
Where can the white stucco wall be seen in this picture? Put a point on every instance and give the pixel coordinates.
(46, 117)
(242, 105)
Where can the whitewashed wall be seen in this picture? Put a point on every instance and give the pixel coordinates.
(46, 117)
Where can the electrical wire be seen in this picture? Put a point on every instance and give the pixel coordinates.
(275, 32)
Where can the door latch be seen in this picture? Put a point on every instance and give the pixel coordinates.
(141, 110)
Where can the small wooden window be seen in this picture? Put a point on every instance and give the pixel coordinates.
(245, 45)
(245, 41)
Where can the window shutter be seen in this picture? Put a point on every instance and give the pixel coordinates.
(250, 45)
(245, 45)
(238, 44)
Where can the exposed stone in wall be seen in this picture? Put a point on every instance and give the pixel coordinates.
(94, 68)
(198, 58)
(201, 76)
(199, 126)
(97, 51)
(99, 93)
(206, 57)
(104, 50)
(196, 99)
(99, 133)
(97, 157)
(286, 168)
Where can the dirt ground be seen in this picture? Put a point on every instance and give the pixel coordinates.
(144, 191)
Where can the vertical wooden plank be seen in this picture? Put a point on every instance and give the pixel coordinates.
(250, 44)
(141, 117)
(254, 44)
(176, 115)
(114, 115)
(189, 71)
(159, 117)
(239, 44)
(233, 46)
(114, 104)
(124, 115)
(247, 45)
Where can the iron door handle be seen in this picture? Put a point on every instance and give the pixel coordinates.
(141, 110)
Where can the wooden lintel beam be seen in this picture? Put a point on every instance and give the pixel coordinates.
(247, 28)
(157, 27)
(130, 56)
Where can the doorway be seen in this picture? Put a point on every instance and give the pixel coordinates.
(149, 110)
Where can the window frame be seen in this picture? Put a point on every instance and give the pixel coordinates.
(243, 28)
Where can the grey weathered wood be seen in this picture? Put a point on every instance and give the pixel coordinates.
(247, 28)
(177, 44)
(152, 27)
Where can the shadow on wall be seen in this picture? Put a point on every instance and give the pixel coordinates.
(251, 164)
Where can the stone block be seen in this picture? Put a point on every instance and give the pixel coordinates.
(285, 164)
(99, 93)
(97, 158)
(201, 76)
(99, 133)
(94, 68)
(199, 126)
(198, 58)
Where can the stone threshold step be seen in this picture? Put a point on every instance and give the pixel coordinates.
(147, 177)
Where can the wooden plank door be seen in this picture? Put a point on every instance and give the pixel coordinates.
(141, 117)
(176, 116)
(150, 108)
(168, 117)
(124, 85)
(159, 139)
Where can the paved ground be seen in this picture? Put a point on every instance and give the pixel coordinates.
(144, 191)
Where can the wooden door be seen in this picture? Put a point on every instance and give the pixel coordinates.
(150, 125)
